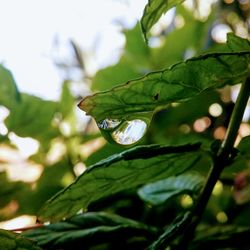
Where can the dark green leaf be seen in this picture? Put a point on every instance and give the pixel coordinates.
(89, 229)
(176, 228)
(32, 117)
(226, 237)
(119, 172)
(9, 95)
(237, 44)
(8, 190)
(178, 83)
(153, 11)
(159, 192)
(13, 241)
(244, 147)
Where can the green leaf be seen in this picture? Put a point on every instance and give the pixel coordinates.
(178, 83)
(237, 44)
(133, 63)
(13, 241)
(32, 117)
(8, 190)
(176, 228)
(67, 100)
(244, 147)
(223, 237)
(153, 11)
(159, 192)
(89, 229)
(9, 94)
(119, 172)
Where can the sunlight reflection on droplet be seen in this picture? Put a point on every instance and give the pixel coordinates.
(215, 110)
(130, 132)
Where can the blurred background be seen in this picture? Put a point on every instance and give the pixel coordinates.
(61, 51)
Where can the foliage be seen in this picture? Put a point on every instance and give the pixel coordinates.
(153, 195)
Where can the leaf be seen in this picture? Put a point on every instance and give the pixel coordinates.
(9, 94)
(159, 192)
(153, 11)
(244, 147)
(223, 238)
(32, 117)
(67, 100)
(132, 64)
(8, 190)
(236, 43)
(89, 229)
(119, 172)
(13, 241)
(176, 228)
(178, 83)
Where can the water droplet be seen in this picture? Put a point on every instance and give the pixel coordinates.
(129, 132)
(108, 124)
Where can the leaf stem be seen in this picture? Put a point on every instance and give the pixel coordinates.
(220, 161)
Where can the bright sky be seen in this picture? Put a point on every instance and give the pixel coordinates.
(29, 27)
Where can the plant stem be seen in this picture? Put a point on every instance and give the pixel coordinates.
(220, 161)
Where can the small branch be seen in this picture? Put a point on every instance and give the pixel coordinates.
(220, 161)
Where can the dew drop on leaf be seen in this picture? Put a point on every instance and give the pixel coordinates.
(129, 132)
(108, 124)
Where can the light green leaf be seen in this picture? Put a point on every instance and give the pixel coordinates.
(32, 117)
(159, 192)
(153, 11)
(178, 83)
(176, 228)
(9, 95)
(13, 241)
(119, 172)
(132, 64)
(89, 229)
(67, 100)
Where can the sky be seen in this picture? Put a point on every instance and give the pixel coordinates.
(29, 27)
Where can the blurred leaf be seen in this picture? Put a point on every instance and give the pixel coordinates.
(176, 228)
(159, 192)
(113, 75)
(67, 100)
(13, 241)
(132, 64)
(244, 147)
(178, 83)
(119, 172)
(9, 94)
(32, 117)
(8, 190)
(89, 229)
(153, 11)
(196, 36)
(223, 237)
